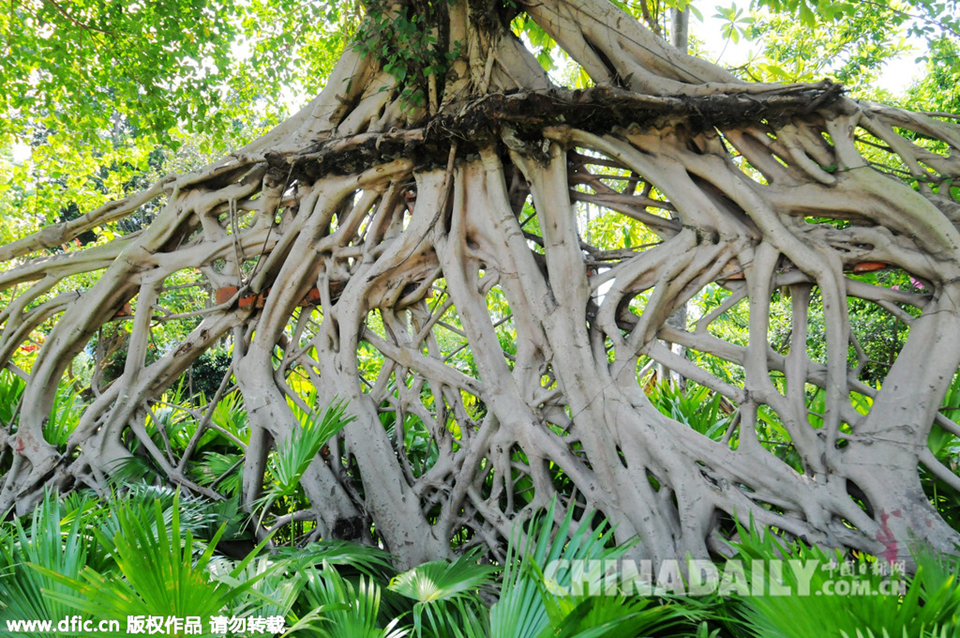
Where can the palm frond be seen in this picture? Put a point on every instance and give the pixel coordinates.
(527, 601)
(156, 572)
(11, 389)
(932, 596)
(29, 554)
(344, 610)
(64, 416)
(446, 594)
(293, 456)
(221, 471)
(370, 561)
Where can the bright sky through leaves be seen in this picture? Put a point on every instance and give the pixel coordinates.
(898, 73)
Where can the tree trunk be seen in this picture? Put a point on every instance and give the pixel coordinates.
(680, 28)
(461, 307)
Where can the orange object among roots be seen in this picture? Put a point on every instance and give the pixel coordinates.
(225, 294)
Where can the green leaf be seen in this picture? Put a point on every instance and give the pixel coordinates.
(157, 572)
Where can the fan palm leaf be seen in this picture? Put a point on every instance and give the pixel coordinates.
(156, 574)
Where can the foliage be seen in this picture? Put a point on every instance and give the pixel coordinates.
(223, 470)
(945, 448)
(931, 601)
(349, 558)
(932, 19)
(65, 559)
(57, 539)
(344, 610)
(151, 534)
(446, 595)
(939, 89)
(529, 605)
(206, 373)
(293, 456)
(851, 50)
(159, 574)
(410, 53)
(107, 97)
(697, 406)
(11, 387)
(65, 416)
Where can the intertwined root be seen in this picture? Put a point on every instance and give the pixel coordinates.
(442, 279)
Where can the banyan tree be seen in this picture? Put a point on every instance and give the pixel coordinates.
(375, 244)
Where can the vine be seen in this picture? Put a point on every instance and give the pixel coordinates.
(410, 44)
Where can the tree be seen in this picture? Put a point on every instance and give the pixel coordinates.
(428, 203)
